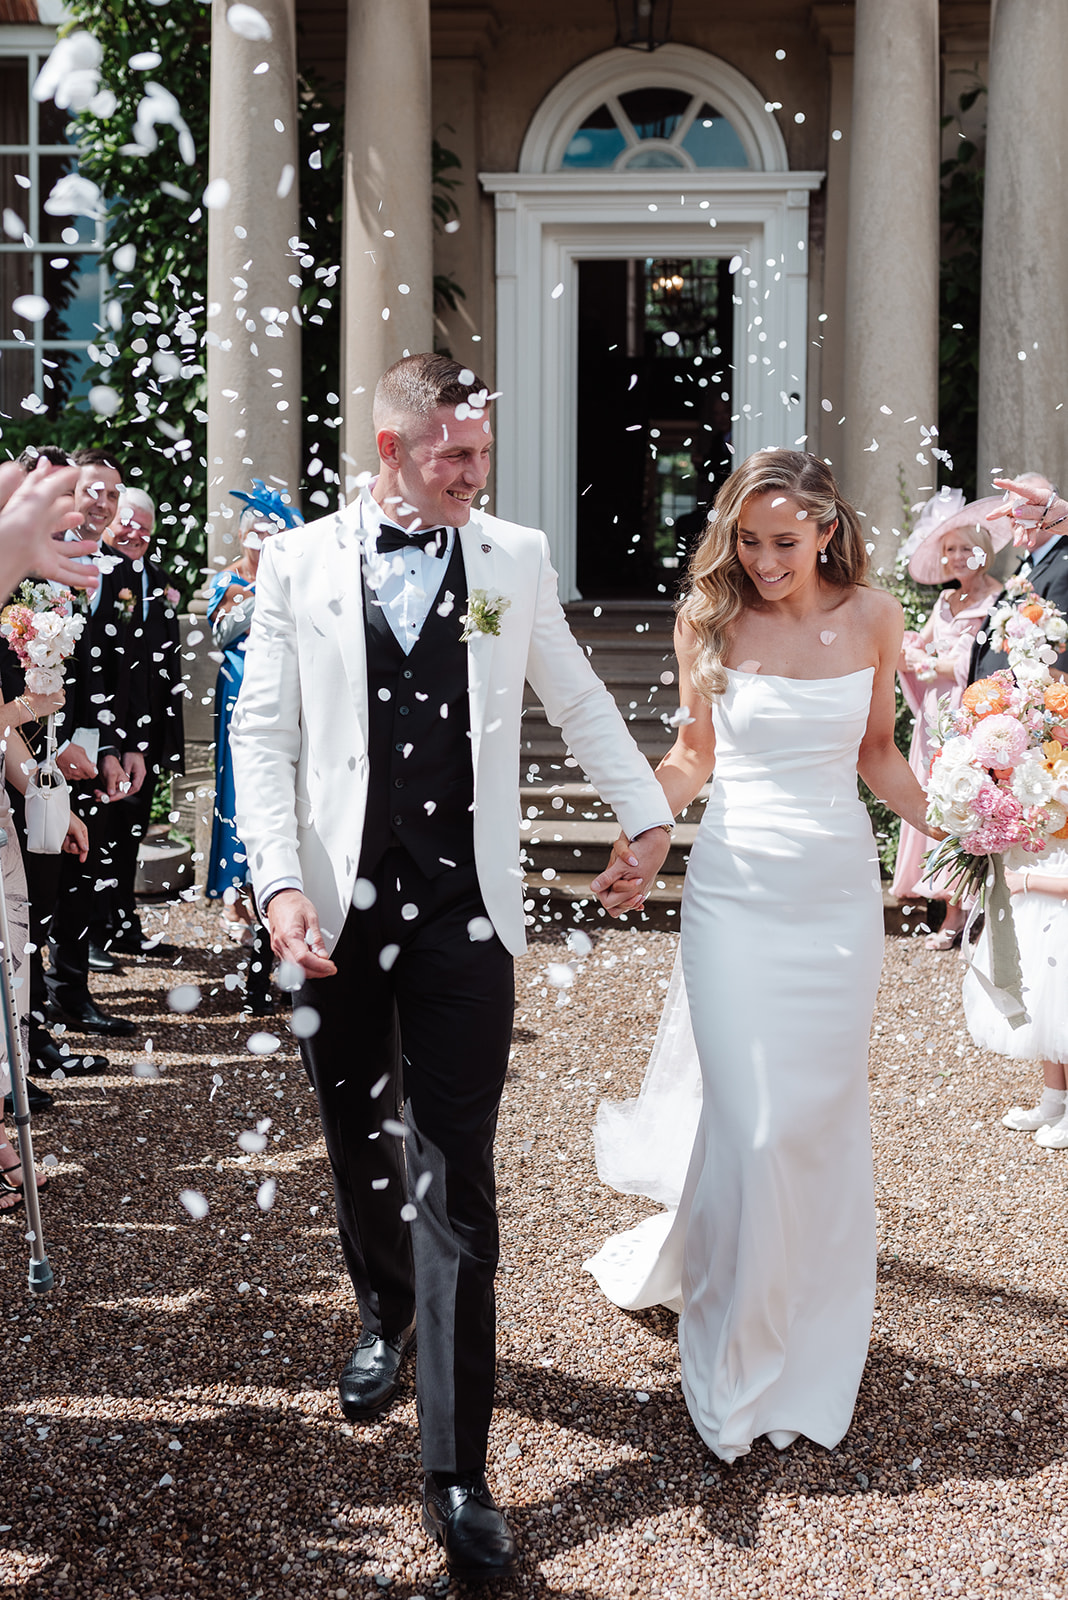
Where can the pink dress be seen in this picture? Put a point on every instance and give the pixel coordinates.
(952, 635)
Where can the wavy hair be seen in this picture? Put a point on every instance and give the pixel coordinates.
(719, 588)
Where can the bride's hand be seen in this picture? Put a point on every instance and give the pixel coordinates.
(619, 887)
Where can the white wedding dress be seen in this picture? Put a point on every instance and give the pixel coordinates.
(771, 1252)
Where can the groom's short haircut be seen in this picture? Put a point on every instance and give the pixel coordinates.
(417, 385)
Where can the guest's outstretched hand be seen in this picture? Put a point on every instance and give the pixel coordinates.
(1033, 512)
(30, 518)
(296, 935)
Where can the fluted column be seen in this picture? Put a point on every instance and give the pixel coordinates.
(387, 278)
(892, 273)
(253, 194)
(1023, 346)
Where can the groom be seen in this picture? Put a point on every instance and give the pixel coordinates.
(376, 756)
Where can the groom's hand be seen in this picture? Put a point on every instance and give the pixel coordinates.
(633, 865)
(296, 935)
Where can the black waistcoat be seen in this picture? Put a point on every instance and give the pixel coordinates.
(420, 790)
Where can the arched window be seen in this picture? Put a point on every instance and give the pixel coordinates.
(655, 127)
(685, 111)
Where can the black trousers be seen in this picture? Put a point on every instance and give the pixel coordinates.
(80, 886)
(421, 1012)
(123, 824)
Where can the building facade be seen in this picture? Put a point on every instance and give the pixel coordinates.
(668, 257)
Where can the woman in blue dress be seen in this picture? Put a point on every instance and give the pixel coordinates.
(231, 598)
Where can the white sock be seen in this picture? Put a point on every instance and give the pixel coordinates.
(1053, 1104)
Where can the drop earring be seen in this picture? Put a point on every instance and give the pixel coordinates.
(823, 555)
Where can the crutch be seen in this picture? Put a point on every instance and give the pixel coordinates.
(41, 1275)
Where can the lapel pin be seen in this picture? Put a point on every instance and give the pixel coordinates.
(486, 548)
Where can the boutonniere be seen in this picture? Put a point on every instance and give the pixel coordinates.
(124, 604)
(483, 614)
(172, 597)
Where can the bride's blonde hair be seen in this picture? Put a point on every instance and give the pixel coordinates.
(719, 589)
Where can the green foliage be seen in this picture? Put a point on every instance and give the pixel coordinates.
(150, 353)
(959, 291)
(443, 162)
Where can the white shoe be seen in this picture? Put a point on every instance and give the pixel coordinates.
(1023, 1121)
(1054, 1136)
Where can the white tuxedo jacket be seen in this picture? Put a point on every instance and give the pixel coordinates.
(299, 731)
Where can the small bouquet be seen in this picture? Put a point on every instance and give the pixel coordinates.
(483, 615)
(42, 626)
(1026, 626)
(999, 776)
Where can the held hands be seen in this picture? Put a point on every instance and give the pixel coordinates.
(75, 764)
(296, 935)
(633, 865)
(133, 764)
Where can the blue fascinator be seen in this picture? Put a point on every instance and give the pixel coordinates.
(270, 503)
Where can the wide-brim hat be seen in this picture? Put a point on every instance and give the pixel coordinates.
(925, 557)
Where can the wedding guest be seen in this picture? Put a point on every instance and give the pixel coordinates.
(956, 550)
(1040, 918)
(376, 753)
(95, 718)
(231, 602)
(1041, 520)
(155, 745)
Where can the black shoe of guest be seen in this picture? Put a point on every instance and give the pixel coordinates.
(47, 1058)
(88, 1018)
(100, 960)
(260, 1005)
(371, 1376)
(39, 1099)
(459, 1514)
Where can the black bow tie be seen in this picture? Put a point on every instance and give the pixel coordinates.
(435, 541)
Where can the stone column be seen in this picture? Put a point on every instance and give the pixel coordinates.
(387, 278)
(253, 355)
(1023, 347)
(892, 272)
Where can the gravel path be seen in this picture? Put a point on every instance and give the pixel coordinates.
(167, 1414)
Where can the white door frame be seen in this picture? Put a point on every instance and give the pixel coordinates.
(548, 222)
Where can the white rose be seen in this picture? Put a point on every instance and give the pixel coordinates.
(955, 753)
(1031, 783)
(43, 680)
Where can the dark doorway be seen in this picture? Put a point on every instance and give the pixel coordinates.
(655, 370)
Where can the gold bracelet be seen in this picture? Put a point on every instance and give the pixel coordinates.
(25, 704)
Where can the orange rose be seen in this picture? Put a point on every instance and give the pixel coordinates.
(1032, 612)
(985, 697)
(1062, 833)
(1055, 699)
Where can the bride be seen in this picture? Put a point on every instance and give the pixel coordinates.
(786, 673)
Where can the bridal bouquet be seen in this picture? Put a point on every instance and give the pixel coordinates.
(42, 627)
(999, 776)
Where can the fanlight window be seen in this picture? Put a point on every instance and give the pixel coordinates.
(654, 128)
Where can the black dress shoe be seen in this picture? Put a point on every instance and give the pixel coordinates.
(460, 1515)
(39, 1099)
(100, 960)
(371, 1376)
(48, 1058)
(88, 1018)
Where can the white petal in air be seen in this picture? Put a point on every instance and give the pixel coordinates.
(217, 194)
(265, 1194)
(33, 307)
(104, 400)
(194, 1203)
(185, 998)
(249, 23)
(262, 1044)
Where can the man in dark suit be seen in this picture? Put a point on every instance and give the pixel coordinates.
(1043, 516)
(155, 744)
(94, 721)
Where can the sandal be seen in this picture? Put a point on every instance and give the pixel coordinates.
(9, 1187)
(944, 939)
(10, 1196)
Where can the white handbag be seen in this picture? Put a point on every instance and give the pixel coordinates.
(47, 811)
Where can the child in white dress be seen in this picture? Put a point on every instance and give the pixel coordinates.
(1040, 916)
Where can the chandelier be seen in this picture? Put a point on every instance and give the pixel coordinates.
(643, 24)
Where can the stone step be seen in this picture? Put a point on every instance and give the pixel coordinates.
(577, 846)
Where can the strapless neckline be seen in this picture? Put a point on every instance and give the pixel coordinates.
(781, 677)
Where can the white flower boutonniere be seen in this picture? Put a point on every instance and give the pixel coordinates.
(483, 614)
